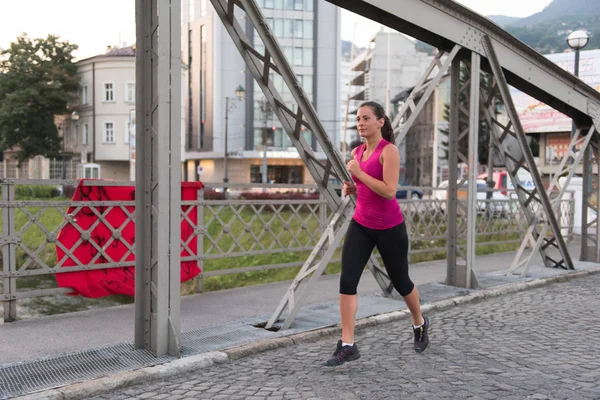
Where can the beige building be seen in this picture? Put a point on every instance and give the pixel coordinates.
(101, 131)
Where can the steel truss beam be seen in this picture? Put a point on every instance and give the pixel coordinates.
(425, 85)
(543, 241)
(590, 230)
(158, 176)
(262, 66)
(459, 270)
(531, 201)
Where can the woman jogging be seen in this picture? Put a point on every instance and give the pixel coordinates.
(377, 221)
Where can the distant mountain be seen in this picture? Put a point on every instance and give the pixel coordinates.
(503, 20)
(560, 9)
(547, 30)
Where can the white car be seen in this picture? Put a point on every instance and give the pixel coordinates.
(499, 203)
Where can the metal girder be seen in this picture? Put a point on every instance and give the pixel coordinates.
(261, 66)
(443, 23)
(9, 251)
(426, 86)
(566, 168)
(590, 230)
(460, 260)
(465, 274)
(158, 176)
(526, 198)
(313, 268)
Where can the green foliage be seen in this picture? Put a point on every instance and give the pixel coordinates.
(23, 192)
(551, 36)
(38, 81)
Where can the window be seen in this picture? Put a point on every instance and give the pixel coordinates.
(308, 29)
(307, 83)
(289, 4)
(85, 134)
(289, 54)
(109, 132)
(269, 4)
(279, 4)
(298, 5)
(130, 92)
(278, 27)
(271, 23)
(127, 131)
(298, 29)
(308, 5)
(84, 95)
(308, 57)
(298, 55)
(288, 28)
(109, 92)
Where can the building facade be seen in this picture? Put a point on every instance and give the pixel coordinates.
(99, 131)
(389, 66)
(102, 129)
(308, 31)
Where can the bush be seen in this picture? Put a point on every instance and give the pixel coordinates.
(211, 194)
(36, 192)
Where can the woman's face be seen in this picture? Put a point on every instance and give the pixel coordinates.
(367, 122)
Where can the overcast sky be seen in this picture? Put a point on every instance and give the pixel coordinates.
(93, 25)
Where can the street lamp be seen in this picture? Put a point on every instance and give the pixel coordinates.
(74, 117)
(239, 96)
(577, 40)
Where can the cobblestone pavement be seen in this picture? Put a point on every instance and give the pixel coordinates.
(538, 344)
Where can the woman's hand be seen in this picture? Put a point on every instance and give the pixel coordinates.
(349, 188)
(354, 168)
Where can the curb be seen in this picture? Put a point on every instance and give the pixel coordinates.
(189, 364)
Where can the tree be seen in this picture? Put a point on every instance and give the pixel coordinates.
(463, 122)
(38, 81)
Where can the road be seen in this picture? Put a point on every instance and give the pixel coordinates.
(538, 344)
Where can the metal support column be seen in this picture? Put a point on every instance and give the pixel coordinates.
(459, 271)
(530, 201)
(465, 275)
(590, 227)
(9, 262)
(158, 176)
(452, 195)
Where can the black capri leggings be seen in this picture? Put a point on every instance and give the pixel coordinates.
(359, 244)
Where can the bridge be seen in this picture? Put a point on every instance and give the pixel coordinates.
(463, 39)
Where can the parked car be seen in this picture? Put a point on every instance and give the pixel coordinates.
(415, 194)
(500, 204)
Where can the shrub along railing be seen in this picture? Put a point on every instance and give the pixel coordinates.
(259, 234)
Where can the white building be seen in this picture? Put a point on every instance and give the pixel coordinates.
(100, 131)
(391, 65)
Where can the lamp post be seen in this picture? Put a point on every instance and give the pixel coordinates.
(239, 96)
(577, 41)
(74, 117)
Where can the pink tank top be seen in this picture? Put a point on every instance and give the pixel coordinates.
(373, 211)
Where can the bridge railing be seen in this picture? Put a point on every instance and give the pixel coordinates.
(244, 234)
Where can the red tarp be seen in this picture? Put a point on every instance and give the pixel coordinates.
(119, 280)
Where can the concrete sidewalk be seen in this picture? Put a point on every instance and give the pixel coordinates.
(210, 322)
